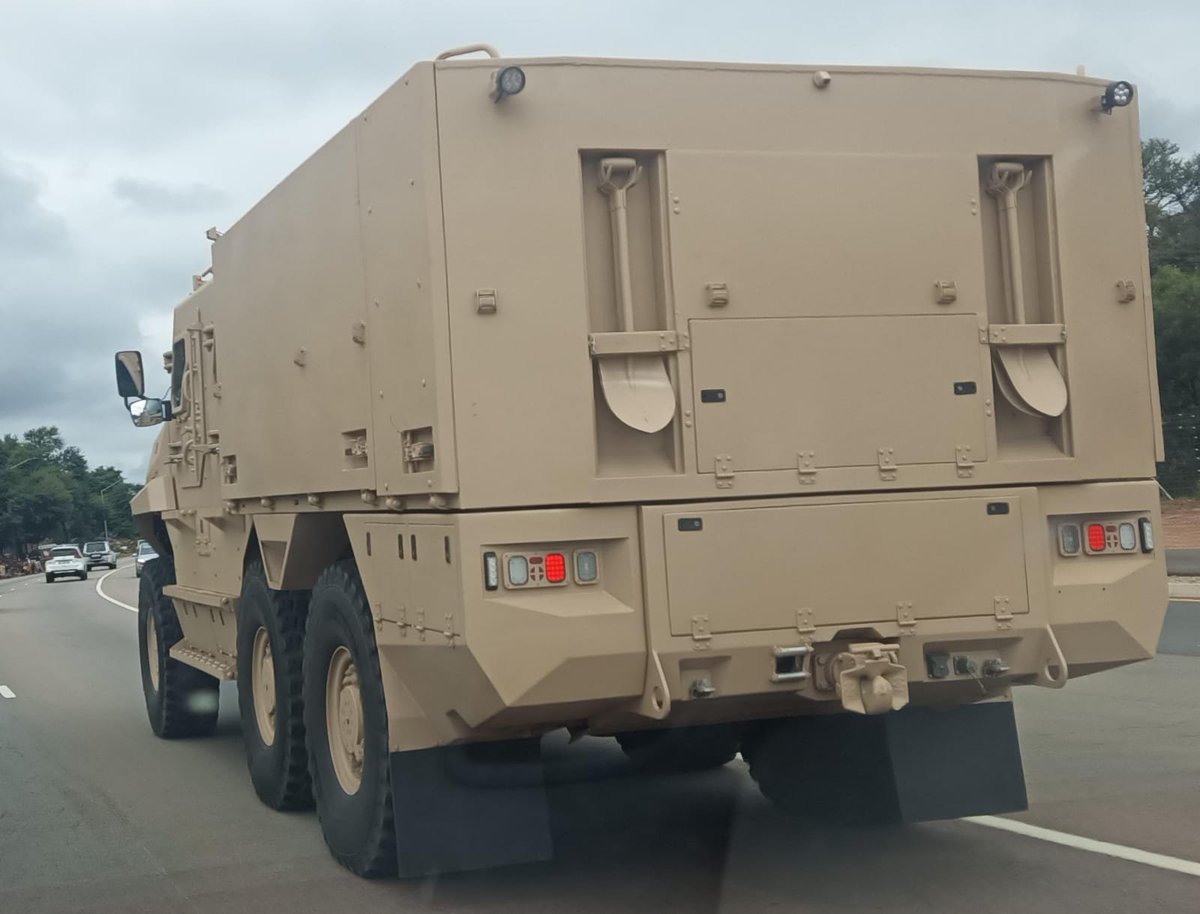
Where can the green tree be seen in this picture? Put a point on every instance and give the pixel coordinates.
(48, 492)
(1172, 189)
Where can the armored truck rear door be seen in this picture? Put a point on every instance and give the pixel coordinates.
(833, 346)
(849, 391)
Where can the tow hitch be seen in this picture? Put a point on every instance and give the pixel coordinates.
(869, 678)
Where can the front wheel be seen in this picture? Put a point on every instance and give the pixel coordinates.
(83, 576)
(180, 700)
(49, 579)
(346, 722)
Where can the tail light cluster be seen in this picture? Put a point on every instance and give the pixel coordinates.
(551, 568)
(1106, 537)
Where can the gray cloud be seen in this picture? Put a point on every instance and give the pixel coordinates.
(161, 198)
(26, 227)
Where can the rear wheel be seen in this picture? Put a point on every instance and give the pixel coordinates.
(181, 701)
(83, 576)
(270, 657)
(830, 768)
(346, 723)
(682, 748)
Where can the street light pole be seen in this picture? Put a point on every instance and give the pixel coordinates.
(104, 505)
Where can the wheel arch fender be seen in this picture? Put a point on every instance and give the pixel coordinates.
(295, 548)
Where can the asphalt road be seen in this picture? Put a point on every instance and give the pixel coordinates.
(98, 815)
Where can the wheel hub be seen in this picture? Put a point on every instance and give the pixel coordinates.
(262, 669)
(152, 650)
(344, 720)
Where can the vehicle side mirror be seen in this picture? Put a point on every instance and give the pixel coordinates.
(148, 412)
(130, 379)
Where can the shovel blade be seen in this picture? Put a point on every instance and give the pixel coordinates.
(1029, 378)
(639, 392)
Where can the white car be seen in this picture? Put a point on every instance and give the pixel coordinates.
(99, 553)
(145, 552)
(64, 562)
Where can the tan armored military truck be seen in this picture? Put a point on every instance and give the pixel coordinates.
(715, 407)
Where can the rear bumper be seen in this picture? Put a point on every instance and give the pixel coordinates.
(696, 637)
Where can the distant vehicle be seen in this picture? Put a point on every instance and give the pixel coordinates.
(66, 561)
(145, 552)
(100, 553)
(798, 413)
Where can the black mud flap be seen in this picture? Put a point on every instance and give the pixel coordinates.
(958, 762)
(470, 807)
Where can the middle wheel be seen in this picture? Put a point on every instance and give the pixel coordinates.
(270, 656)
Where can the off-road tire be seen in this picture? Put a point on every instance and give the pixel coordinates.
(279, 771)
(358, 828)
(832, 769)
(681, 748)
(185, 703)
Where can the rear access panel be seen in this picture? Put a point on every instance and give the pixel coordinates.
(838, 388)
(755, 568)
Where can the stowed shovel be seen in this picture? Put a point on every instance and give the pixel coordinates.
(636, 387)
(1027, 375)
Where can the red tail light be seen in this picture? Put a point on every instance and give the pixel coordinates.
(556, 567)
(1095, 537)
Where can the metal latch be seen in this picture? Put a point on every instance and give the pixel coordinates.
(887, 464)
(870, 679)
(806, 466)
(963, 461)
(1003, 613)
(724, 471)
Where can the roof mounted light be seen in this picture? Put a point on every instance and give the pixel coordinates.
(506, 81)
(1117, 95)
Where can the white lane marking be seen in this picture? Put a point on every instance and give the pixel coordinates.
(6, 692)
(1120, 851)
(104, 596)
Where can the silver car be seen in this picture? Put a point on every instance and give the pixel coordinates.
(99, 553)
(145, 552)
(66, 562)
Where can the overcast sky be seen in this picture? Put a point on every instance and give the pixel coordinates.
(127, 127)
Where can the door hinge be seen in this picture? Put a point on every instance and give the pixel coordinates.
(905, 618)
(701, 633)
(963, 461)
(887, 464)
(724, 471)
(806, 466)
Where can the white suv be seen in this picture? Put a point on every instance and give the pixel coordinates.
(99, 553)
(66, 561)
